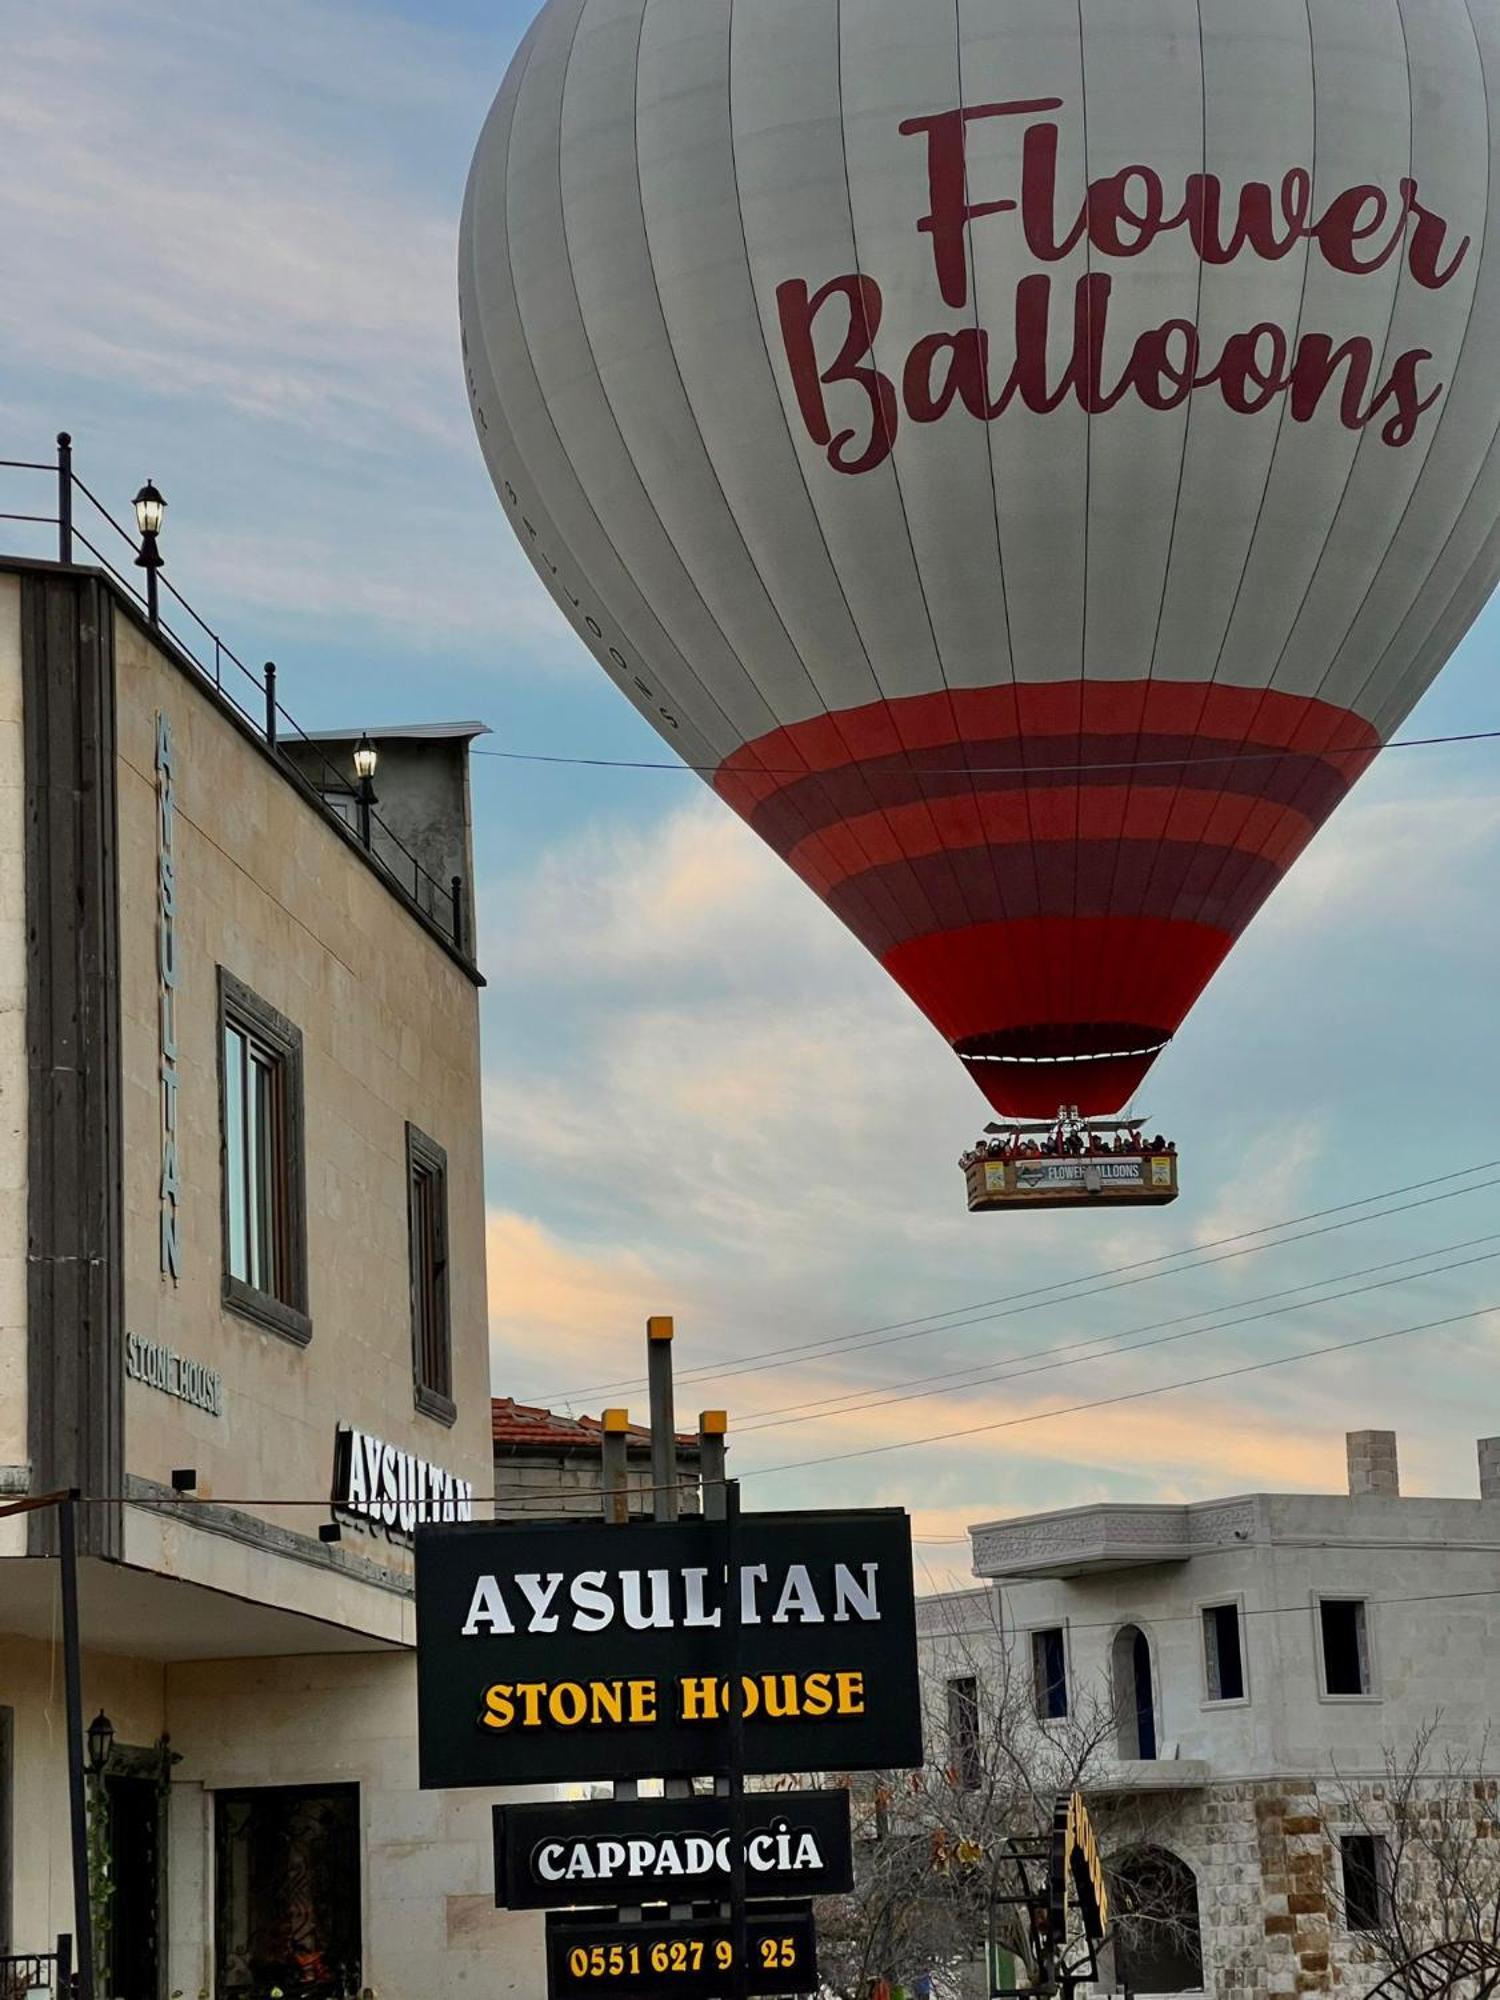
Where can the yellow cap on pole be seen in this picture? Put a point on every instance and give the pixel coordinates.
(616, 1422)
(713, 1423)
(659, 1327)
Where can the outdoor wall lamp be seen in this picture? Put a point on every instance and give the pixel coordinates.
(366, 757)
(149, 508)
(101, 1740)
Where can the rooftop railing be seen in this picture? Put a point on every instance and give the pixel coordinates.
(204, 653)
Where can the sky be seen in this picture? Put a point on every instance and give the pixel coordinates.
(229, 265)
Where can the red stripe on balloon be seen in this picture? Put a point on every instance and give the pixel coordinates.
(1221, 719)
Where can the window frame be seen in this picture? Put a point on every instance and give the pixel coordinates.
(426, 1156)
(1033, 1634)
(969, 1777)
(1371, 1691)
(242, 1009)
(1380, 1876)
(1232, 1600)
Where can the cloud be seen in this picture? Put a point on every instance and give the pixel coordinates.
(568, 1303)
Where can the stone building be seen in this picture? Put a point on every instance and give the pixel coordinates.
(550, 1465)
(1252, 1666)
(242, 1312)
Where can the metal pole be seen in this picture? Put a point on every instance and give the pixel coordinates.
(77, 1804)
(64, 497)
(616, 1504)
(733, 1562)
(271, 703)
(659, 1331)
(366, 800)
(152, 611)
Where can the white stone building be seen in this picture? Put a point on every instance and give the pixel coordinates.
(1256, 1660)
(242, 1280)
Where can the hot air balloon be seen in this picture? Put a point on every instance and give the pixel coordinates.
(1028, 456)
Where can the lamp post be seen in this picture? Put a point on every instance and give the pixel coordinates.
(101, 1741)
(366, 757)
(149, 508)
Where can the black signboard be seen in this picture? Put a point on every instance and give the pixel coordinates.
(689, 1958)
(564, 1651)
(552, 1857)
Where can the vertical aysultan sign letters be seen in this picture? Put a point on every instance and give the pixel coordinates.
(166, 972)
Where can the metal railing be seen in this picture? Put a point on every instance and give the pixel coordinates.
(207, 655)
(24, 1974)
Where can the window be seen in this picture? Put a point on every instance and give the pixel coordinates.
(963, 1733)
(1134, 1694)
(1367, 1863)
(427, 1228)
(261, 1124)
(287, 1892)
(1223, 1660)
(1346, 1647)
(1049, 1673)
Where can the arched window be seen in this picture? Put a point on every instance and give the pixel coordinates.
(1134, 1692)
(1154, 1895)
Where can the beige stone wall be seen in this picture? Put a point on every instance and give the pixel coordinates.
(266, 889)
(431, 1928)
(13, 1447)
(31, 1683)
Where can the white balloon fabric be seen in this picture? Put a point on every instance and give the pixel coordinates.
(1028, 455)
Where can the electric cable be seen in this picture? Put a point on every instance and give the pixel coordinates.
(1370, 750)
(1065, 1290)
(1111, 1345)
(1124, 1396)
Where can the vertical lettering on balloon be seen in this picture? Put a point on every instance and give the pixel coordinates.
(799, 312)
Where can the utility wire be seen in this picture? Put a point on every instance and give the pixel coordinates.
(919, 1388)
(999, 770)
(1062, 1291)
(1125, 1396)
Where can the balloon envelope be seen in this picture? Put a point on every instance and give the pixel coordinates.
(1028, 456)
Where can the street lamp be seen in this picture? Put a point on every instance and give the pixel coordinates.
(366, 757)
(149, 508)
(101, 1741)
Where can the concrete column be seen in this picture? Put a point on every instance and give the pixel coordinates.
(1489, 1468)
(1372, 1464)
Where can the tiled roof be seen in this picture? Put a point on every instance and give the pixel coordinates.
(513, 1423)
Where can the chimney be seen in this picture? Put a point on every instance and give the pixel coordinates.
(1372, 1464)
(1489, 1468)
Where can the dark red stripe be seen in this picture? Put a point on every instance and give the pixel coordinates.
(1222, 887)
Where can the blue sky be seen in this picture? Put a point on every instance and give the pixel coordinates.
(230, 239)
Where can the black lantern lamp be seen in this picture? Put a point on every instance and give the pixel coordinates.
(149, 508)
(101, 1741)
(366, 757)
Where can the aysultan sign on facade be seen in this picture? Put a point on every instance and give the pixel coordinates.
(388, 1491)
(166, 973)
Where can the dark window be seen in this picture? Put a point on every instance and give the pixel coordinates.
(1221, 1652)
(427, 1225)
(260, 1090)
(1049, 1673)
(1134, 1693)
(1346, 1651)
(1366, 1862)
(963, 1733)
(287, 1895)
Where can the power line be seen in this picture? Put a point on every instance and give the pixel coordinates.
(1000, 770)
(1111, 1346)
(1124, 1396)
(1065, 1291)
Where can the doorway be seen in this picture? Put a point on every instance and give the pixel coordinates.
(137, 1811)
